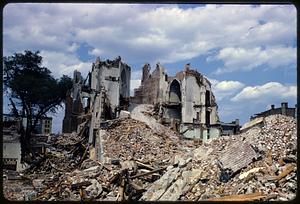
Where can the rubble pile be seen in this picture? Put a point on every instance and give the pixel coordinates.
(64, 155)
(148, 114)
(65, 173)
(132, 139)
(259, 164)
(15, 187)
(140, 164)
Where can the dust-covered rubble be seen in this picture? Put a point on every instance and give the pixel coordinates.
(141, 163)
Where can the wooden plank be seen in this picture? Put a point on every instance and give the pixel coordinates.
(288, 169)
(144, 165)
(104, 166)
(147, 173)
(242, 197)
(54, 167)
(136, 186)
(120, 196)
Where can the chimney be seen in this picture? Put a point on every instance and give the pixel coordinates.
(97, 61)
(237, 121)
(284, 107)
(187, 67)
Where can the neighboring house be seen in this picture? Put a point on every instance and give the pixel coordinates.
(258, 119)
(283, 110)
(232, 128)
(44, 125)
(11, 143)
(11, 139)
(186, 101)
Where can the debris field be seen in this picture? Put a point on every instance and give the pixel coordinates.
(147, 164)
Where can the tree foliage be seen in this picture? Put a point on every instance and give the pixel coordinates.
(32, 89)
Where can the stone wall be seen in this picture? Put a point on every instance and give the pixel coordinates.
(185, 98)
(12, 153)
(110, 80)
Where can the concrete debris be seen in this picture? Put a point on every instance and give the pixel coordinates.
(159, 187)
(94, 190)
(128, 139)
(255, 122)
(246, 174)
(248, 166)
(246, 197)
(142, 164)
(124, 114)
(144, 113)
(237, 156)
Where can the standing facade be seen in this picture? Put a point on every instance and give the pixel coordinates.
(109, 81)
(185, 101)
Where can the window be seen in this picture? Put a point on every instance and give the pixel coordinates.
(207, 98)
(208, 134)
(207, 118)
(198, 115)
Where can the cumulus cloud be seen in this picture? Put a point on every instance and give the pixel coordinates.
(248, 59)
(60, 63)
(73, 47)
(151, 33)
(241, 36)
(96, 52)
(225, 89)
(267, 92)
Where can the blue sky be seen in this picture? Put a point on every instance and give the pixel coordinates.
(248, 52)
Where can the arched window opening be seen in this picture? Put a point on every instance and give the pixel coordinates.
(175, 92)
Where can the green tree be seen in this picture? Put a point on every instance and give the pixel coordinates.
(32, 91)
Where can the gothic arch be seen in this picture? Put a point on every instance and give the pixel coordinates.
(175, 92)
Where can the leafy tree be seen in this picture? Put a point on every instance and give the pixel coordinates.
(32, 91)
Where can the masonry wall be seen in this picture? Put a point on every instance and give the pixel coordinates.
(185, 100)
(12, 150)
(110, 79)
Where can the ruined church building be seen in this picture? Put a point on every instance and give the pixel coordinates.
(185, 102)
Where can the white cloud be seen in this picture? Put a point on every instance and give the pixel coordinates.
(266, 93)
(225, 89)
(149, 33)
(73, 47)
(61, 63)
(96, 52)
(229, 85)
(248, 59)
(234, 34)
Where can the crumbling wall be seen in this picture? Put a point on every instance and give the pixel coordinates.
(110, 80)
(185, 99)
(73, 105)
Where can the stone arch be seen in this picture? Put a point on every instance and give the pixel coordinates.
(175, 92)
